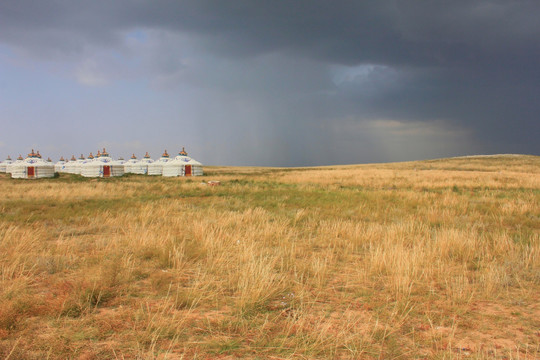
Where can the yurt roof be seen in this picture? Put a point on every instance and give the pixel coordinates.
(33, 154)
(102, 157)
(118, 162)
(146, 159)
(98, 161)
(193, 162)
(133, 160)
(164, 158)
(34, 159)
(182, 160)
(19, 161)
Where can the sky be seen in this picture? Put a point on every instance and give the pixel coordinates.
(270, 82)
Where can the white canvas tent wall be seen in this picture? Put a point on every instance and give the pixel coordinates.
(74, 166)
(102, 166)
(33, 167)
(89, 159)
(128, 165)
(4, 164)
(60, 165)
(156, 168)
(182, 165)
(19, 160)
(69, 164)
(141, 166)
(193, 168)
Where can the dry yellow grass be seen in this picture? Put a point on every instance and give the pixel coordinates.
(433, 259)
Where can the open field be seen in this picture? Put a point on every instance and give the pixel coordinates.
(434, 259)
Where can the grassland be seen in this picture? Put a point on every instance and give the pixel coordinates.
(433, 259)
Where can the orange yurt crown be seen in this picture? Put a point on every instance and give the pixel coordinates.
(20, 157)
(38, 154)
(73, 158)
(8, 157)
(81, 157)
(32, 154)
(104, 152)
(90, 156)
(165, 154)
(98, 154)
(183, 152)
(62, 158)
(146, 156)
(49, 159)
(133, 156)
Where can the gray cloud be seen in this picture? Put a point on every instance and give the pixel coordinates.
(302, 76)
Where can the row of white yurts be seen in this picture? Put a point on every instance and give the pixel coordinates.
(73, 166)
(156, 168)
(136, 166)
(102, 165)
(181, 165)
(33, 167)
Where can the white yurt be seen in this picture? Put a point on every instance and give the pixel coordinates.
(33, 167)
(69, 164)
(121, 161)
(102, 166)
(90, 158)
(156, 168)
(182, 165)
(74, 165)
(128, 165)
(60, 165)
(4, 164)
(141, 166)
(19, 160)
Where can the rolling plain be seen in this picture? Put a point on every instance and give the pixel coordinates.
(434, 259)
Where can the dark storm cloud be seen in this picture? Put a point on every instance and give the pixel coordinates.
(471, 64)
(345, 32)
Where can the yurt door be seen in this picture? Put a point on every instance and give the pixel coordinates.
(188, 170)
(31, 171)
(106, 171)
